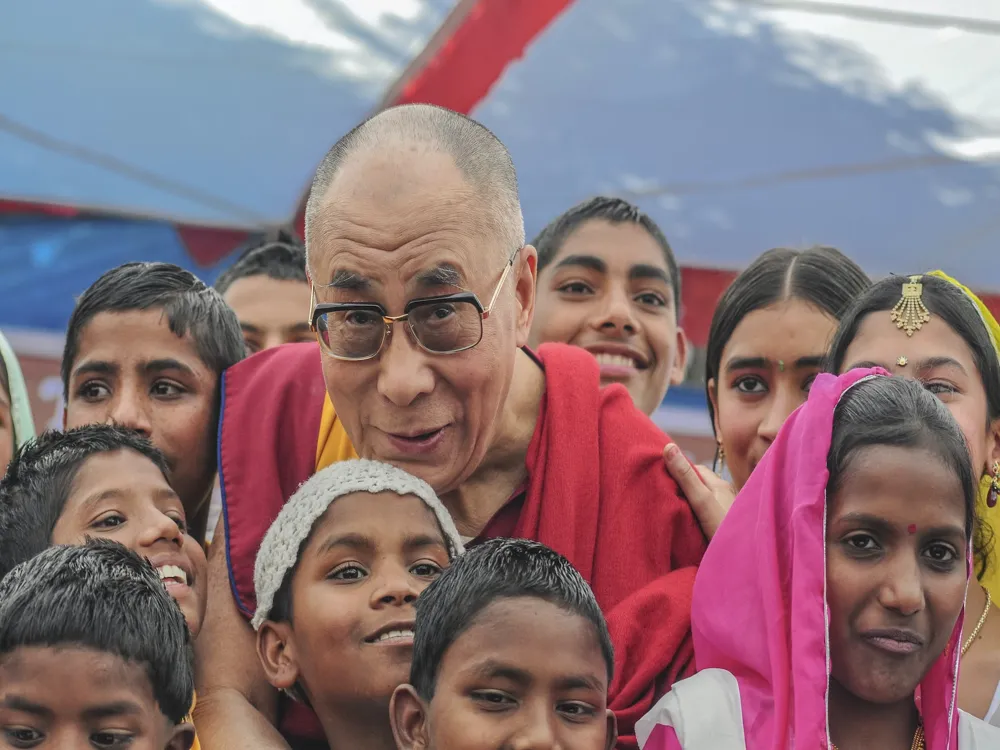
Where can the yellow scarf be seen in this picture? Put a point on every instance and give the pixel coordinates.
(332, 445)
(990, 516)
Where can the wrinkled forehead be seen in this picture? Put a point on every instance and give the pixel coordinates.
(390, 216)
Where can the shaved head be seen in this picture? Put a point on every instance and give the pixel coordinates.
(479, 155)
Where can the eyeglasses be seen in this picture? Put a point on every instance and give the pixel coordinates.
(447, 324)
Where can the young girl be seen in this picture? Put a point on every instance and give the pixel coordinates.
(841, 626)
(768, 340)
(16, 425)
(954, 354)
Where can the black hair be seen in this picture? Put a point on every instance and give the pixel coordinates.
(496, 569)
(820, 276)
(104, 597)
(39, 480)
(946, 301)
(614, 211)
(897, 411)
(283, 259)
(188, 304)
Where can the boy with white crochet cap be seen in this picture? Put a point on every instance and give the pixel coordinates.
(336, 579)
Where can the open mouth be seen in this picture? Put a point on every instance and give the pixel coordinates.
(393, 636)
(605, 359)
(172, 575)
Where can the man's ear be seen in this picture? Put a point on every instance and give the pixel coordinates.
(276, 651)
(181, 737)
(408, 716)
(612, 734)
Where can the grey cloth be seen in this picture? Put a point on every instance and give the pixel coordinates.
(279, 551)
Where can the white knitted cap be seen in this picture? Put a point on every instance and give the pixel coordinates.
(280, 549)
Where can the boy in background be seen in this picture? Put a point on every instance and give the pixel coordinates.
(269, 292)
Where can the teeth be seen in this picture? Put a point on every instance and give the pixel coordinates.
(614, 360)
(393, 635)
(172, 572)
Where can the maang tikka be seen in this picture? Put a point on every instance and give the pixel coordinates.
(909, 314)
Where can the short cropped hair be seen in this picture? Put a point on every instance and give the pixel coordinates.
(40, 477)
(189, 306)
(615, 211)
(496, 569)
(479, 155)
(104, 597)
(283, 259)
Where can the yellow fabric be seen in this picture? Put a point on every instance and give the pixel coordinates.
(991, 516)
(190, 720)
(332, 445)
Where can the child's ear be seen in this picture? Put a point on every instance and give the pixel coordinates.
(276, 650)
(408, 716)
(181, 737)
(612, 733)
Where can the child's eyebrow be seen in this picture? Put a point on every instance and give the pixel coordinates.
(492, 669)
(161, 365)
(16, 703)
(96, 367)
(362, 542)
(422, 540)
(119, 708)
(583, 681)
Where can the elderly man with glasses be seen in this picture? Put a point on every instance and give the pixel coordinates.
(422, 298)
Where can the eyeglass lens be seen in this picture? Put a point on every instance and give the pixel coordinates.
(442, 327)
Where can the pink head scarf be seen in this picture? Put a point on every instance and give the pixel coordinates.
(759, 608)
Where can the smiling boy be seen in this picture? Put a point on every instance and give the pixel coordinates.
(145, 348)
(608, 282)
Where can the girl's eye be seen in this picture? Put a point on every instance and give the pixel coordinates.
(808, 384)
(575, 287)
(941, 553)
(751, 385)
(110, 521)
(652, 299)
(861, 543)
(426, 570)
(349, 572)
(941, 389)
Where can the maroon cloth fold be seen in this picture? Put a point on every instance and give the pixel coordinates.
(599, 494)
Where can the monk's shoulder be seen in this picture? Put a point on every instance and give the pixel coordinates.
(631, 443)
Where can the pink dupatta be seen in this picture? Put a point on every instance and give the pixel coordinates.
(759, 604)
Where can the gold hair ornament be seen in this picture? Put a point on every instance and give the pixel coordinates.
(909, 314)
(902, 361)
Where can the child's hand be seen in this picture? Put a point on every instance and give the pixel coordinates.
(709, 496)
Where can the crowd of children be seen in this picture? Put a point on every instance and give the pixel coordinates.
(420, 534)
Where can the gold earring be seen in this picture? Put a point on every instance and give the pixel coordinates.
(994, 493)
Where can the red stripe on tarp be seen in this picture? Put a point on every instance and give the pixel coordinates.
(471, 61)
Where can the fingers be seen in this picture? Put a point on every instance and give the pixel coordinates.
(682, 471)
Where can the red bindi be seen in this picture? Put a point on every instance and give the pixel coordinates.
(912, 528)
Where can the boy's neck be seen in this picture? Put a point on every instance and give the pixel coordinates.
(856, 724)
(358, 729)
